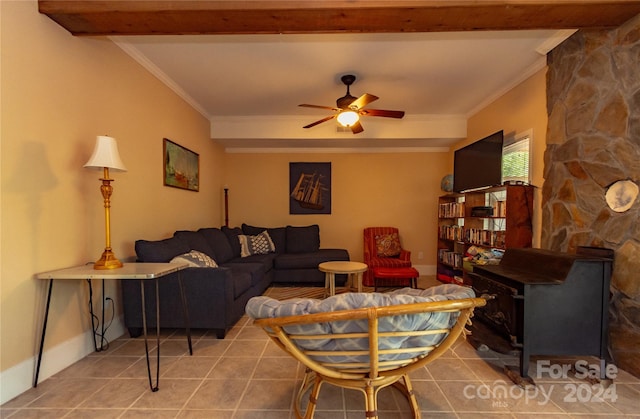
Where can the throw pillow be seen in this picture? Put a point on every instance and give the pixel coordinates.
(388, 245)
(260, 244)
(277, 234)
(195, 259)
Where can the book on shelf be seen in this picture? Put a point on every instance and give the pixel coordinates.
(493, 238)
(500, 209)
(451, 210)
(450, 258)
(451, 232)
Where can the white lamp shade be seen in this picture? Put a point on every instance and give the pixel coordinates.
(348, 118)
(105, 154)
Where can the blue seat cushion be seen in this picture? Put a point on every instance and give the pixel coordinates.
(266, 307)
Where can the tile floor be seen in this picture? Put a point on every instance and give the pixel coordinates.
(245, 376)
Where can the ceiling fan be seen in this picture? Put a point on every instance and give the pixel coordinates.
(349, 109)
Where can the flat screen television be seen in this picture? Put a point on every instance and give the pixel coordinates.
(479, 164)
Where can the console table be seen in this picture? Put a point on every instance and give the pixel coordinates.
(141, 271)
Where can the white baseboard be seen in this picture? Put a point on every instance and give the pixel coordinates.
(19, 378)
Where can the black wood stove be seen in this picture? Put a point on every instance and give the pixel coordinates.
(545, 303)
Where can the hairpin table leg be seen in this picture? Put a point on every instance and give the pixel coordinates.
(185, 311)
(44, 329)
(144, 328)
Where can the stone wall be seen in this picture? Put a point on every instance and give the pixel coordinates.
(593, 140)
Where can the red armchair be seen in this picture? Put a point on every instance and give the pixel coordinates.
(382, 249)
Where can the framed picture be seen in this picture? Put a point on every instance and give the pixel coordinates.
(181, 167)
(309, 188)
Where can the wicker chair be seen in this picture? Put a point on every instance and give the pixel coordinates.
(364, 348)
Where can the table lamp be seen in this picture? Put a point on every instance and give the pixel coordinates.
(105, 156)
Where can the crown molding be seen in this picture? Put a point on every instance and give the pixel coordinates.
(134, 53)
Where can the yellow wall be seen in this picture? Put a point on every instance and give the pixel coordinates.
(368, 189)
(521, 109)
(58, 93)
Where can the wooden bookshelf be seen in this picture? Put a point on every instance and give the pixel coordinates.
(497, 218)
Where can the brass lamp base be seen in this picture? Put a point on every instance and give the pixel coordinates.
(107, 261)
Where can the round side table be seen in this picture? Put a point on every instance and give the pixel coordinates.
(354, 271)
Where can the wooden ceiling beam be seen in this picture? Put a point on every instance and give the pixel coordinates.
(164, 17)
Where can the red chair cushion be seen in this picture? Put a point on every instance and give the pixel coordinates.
(394, 277)
(401, 273)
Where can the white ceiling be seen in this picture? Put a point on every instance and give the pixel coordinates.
(250, 86)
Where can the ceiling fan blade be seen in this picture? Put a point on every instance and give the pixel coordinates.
(362, 101)
(382, 112)
(313, 124)
(320, 107)
(356, 128)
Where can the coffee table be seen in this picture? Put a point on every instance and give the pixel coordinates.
(354, 271)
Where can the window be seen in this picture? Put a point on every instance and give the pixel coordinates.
(515, 159)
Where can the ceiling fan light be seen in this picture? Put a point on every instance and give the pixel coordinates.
(348, 118)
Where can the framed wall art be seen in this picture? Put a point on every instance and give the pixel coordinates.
(309, 188)
(181, 166)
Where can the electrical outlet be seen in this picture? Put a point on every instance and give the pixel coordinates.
(420, 255)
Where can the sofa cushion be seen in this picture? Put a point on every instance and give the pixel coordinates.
(266, 261)
(277, 234)
(255, 271)
(160, 250)
(232, 237)
(309, 260)
(303, 239)
(260, 244)
(388, 245)
(219, 243)
(195, 259)
(196, 241)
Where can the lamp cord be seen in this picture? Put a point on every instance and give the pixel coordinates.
(104, 342)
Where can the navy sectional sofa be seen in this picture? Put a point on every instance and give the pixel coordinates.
(216, 296)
